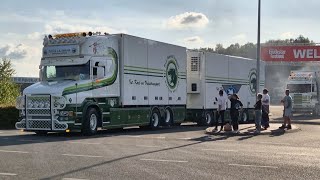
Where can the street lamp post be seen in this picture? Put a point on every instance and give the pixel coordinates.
(258, 49)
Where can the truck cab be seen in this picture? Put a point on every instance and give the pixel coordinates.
(74, 69)
(303, 89)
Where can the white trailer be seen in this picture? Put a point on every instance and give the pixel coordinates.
(207, 73)
(109, 81)
(113, 81)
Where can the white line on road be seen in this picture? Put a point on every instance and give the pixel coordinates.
(8, 174)
(134, 136)
(160, 137)
(163, 160)
(78, 155)
(89, 143)
(30, 140)
(246, 165)
(21, 152)
(273, 143)
(220, 150)
(149, 146)
(184, 138)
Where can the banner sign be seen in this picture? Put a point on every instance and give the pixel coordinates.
(290, 53)
(61, 50)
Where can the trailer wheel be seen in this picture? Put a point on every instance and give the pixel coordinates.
(155, 119)
(207, 119)
(91, 122)
(168, 117)
(244, 116)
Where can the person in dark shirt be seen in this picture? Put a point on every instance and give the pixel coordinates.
(236, 105)
(258, 113)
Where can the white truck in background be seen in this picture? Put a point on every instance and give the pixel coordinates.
(90, 80)
(304, 90)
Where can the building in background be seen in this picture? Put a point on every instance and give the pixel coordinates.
(24, 82)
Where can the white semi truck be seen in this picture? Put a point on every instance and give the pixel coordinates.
(303, 88)
(90, 80)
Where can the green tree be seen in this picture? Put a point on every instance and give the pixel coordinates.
(9, 91)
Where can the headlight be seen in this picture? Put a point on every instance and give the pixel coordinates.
(20, 102)
(59, 102)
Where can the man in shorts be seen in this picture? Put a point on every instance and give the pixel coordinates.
(287, 113)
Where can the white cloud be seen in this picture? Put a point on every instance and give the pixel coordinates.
(35, 36)
(193, 39)
(288, 35)
(14, 51)
(187, 20)
(62, 27)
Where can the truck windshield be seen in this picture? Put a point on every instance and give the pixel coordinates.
(299, 88)
(59, 73)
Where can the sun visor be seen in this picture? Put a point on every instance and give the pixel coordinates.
(66, 61)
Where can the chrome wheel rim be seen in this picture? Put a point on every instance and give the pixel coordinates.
(168, 116)
(208, 118)
(155, 119)
(93, 122)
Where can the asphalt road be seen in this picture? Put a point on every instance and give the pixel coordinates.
(176, 153)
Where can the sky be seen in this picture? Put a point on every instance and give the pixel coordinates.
(188, 23)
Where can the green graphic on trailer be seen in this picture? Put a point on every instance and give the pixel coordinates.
(172, 75)
(253, 81)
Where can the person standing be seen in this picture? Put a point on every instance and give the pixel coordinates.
(265, 109)
(287, 105)
(258, 113)
(236, 105)
(221, 109)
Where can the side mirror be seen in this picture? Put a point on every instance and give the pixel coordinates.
(100, 72)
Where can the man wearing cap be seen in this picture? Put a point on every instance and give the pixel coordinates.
(265, 108)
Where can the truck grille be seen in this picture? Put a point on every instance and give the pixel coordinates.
(39, 115)
(297, 99)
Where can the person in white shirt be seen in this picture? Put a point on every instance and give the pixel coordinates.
(222, 101)
(265, 108)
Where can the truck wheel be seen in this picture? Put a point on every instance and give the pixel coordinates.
(155, 119)
(207, 119)
(168, 118)
(91, 122)
(244, 116)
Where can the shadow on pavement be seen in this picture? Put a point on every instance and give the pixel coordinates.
(30, 138)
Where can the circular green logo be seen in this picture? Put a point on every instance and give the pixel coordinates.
(172, 73)
(253, 81)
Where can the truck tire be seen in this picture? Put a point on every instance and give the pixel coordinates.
(244, 116)
(168, 117)
(207, 119)
(155, 119)
(90, 122)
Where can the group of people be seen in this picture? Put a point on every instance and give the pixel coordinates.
(236, 107)
(261, 111)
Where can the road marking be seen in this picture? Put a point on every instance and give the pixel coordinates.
(163, 160)
(30, 140)
(21, 152)
(221, 150)
(8, 174)
(134, 136)
(274, 143)
(149, 146)
(160, 137)
(246, 165)
(184, 138)
(84, 143)
(78, 155)
(73, 179)
(1, 132)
